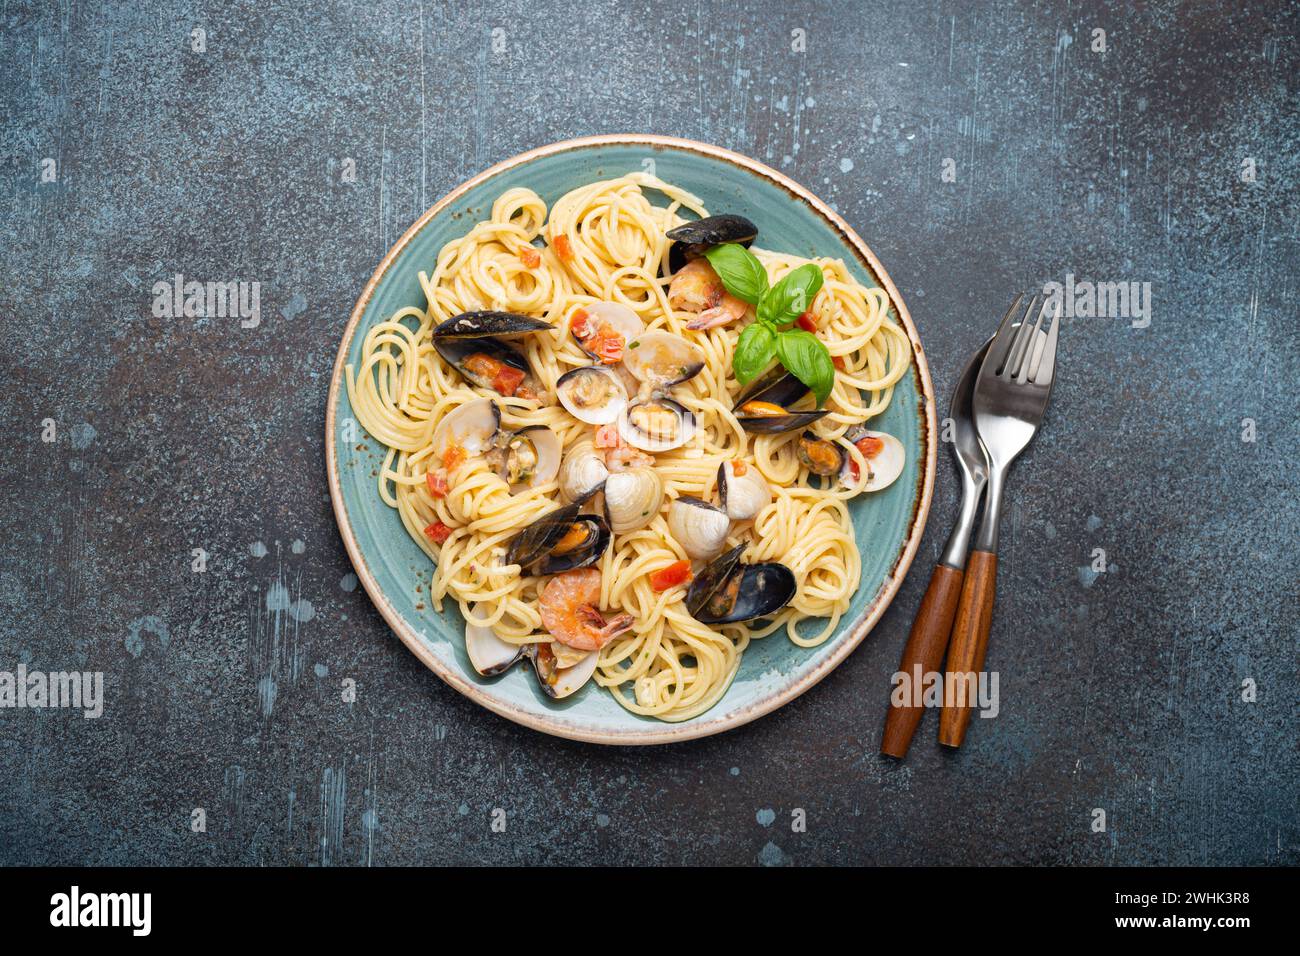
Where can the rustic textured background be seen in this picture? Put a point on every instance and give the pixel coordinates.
(1120, 690)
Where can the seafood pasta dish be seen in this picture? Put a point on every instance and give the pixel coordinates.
(627, 436)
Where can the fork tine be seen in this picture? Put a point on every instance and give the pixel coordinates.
(1030, 353)
(1001, 343)
(1044, 367)
(1031, 371)
(1017, 352)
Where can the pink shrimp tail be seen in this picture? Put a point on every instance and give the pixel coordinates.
(710, 319)
(616, 626)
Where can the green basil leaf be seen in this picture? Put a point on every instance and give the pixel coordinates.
(740, 271)
(754, 350)
(808, 358)
(792, 296)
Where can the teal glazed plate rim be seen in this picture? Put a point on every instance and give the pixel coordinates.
(395, 572)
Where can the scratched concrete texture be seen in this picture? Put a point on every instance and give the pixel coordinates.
(1170, 158)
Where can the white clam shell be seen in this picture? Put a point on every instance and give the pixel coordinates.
(885, 466)
(699, 527)
(618, 317)
(683, 431)
(488, 653)
(472, 426)
(660, 359)
(573, 674)
(743, 496)
(548, 448)
(490, 656)
(632, 499)
(582, 473)
(572, 384)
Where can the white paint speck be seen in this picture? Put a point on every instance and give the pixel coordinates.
(82, 435)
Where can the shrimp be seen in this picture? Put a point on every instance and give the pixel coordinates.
(697, 288)
(626, 458)
(619, 455)
(569, 612)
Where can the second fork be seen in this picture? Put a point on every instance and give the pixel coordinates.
(1010, 397)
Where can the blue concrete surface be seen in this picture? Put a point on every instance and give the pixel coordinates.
(979, 148)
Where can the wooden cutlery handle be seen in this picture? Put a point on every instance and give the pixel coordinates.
(970, 639)
(924, 650)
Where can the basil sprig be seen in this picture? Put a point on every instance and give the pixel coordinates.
(777, 307)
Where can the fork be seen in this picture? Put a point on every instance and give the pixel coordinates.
(1010, 397)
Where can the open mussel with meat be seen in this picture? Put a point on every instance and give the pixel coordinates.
(728, 592)
(820, 456)
(765, 408)
(560, 540)
(474, 343)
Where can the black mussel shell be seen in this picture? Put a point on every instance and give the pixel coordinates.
(486, 323)
(781, 388)
(711, 577)
(588, 552)
(532, 544)
(691, 239)
(774, 424)
(778, 387)
(728, 592)
(457, 350)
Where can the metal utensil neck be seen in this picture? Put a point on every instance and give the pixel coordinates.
(987, 539)
(954, 552)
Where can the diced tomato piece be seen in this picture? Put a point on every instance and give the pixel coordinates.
(608, 345)
(562, 248)
(738, 467)
(507, 379)
(437, 532)
(807, 321)
(679, 572)
(838, 362)
(607, 436)
(870, 446)
(437, 483)
(453, 456)
(530, 257)
(578, 323)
